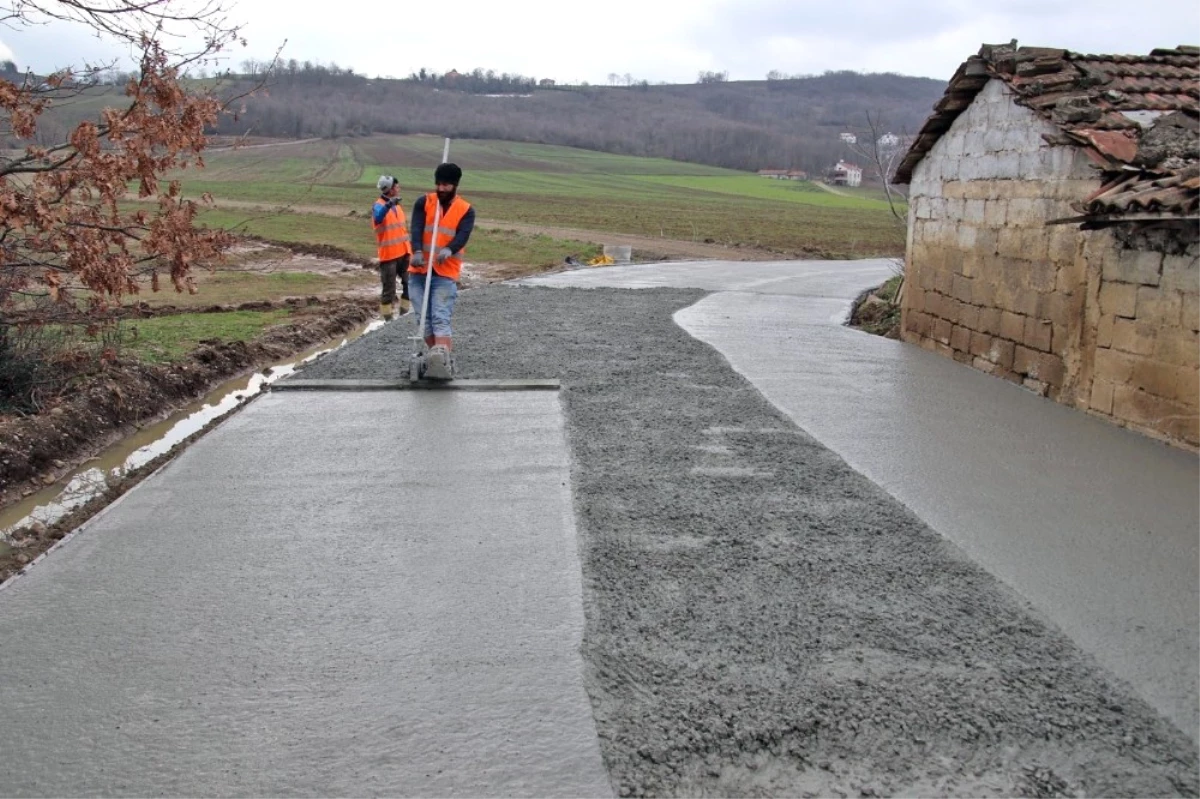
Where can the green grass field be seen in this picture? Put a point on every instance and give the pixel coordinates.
(232, 287)
(166, 338)
(544, 185)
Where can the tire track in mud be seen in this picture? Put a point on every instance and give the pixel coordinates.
(763, 620)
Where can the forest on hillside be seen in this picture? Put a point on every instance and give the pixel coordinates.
(787, 123)
(779, 123)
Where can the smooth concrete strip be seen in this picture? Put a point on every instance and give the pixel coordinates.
(297, 384)
(332, 594)
(1095, 525)
(802, 278)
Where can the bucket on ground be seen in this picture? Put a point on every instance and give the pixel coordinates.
(620, 253)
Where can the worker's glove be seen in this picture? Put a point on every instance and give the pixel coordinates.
(418, 258)
(444, 254)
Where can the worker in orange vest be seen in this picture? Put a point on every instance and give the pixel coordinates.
(395, 247)
(445, 248)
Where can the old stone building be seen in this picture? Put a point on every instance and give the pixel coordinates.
(1053, 230)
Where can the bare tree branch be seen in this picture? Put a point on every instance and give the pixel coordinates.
(64, 224)
(131, 21)
(882, 151)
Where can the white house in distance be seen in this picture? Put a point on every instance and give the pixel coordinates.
(846, 174)
(888, 140)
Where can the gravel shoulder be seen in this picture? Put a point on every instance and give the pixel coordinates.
(763, 620)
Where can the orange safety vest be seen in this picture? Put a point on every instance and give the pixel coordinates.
(447, 227)
(392, 234)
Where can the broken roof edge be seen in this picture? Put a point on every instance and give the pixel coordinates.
(1143, 223)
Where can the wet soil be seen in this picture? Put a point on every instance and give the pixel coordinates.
(265, 255)
(762, 620)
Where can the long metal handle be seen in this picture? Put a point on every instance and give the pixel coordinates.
(429, 256)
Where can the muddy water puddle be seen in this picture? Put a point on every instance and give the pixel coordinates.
(94, 476)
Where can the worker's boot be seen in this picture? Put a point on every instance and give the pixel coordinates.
(405, 305)
(439, 364)
(385, 310)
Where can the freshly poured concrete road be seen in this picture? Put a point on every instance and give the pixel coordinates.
(332, 594)
(1097, 526)
(294, 607)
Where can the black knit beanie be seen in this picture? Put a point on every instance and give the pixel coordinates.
(447, 173)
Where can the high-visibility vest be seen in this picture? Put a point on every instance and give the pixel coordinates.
(447, 226)
(391, 234)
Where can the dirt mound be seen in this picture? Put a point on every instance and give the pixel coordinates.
(877, 315)
(877, 310)
(326, 251)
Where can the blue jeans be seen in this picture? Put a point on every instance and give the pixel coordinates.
(441, 303)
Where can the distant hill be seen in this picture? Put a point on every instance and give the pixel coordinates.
(790, 123)
(750, 125)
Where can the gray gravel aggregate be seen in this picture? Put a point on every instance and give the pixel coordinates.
(762, 620)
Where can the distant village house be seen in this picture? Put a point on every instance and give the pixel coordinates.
(845, 173)
(1054, 219)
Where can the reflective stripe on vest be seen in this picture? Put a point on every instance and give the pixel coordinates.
(391, 235)
(447, 227)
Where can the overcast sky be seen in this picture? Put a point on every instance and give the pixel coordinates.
(656, 40)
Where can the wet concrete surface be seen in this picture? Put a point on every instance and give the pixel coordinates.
(332, 594)
(815, 280)
(763, 619)
(1097, 526)
(95, 475)
(760, 618)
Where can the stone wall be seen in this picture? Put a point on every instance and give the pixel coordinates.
(1141, 351)
(1080, 317)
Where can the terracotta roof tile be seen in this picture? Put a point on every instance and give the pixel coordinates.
(1094, 101)
(1135, 194)
(1112, 143)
